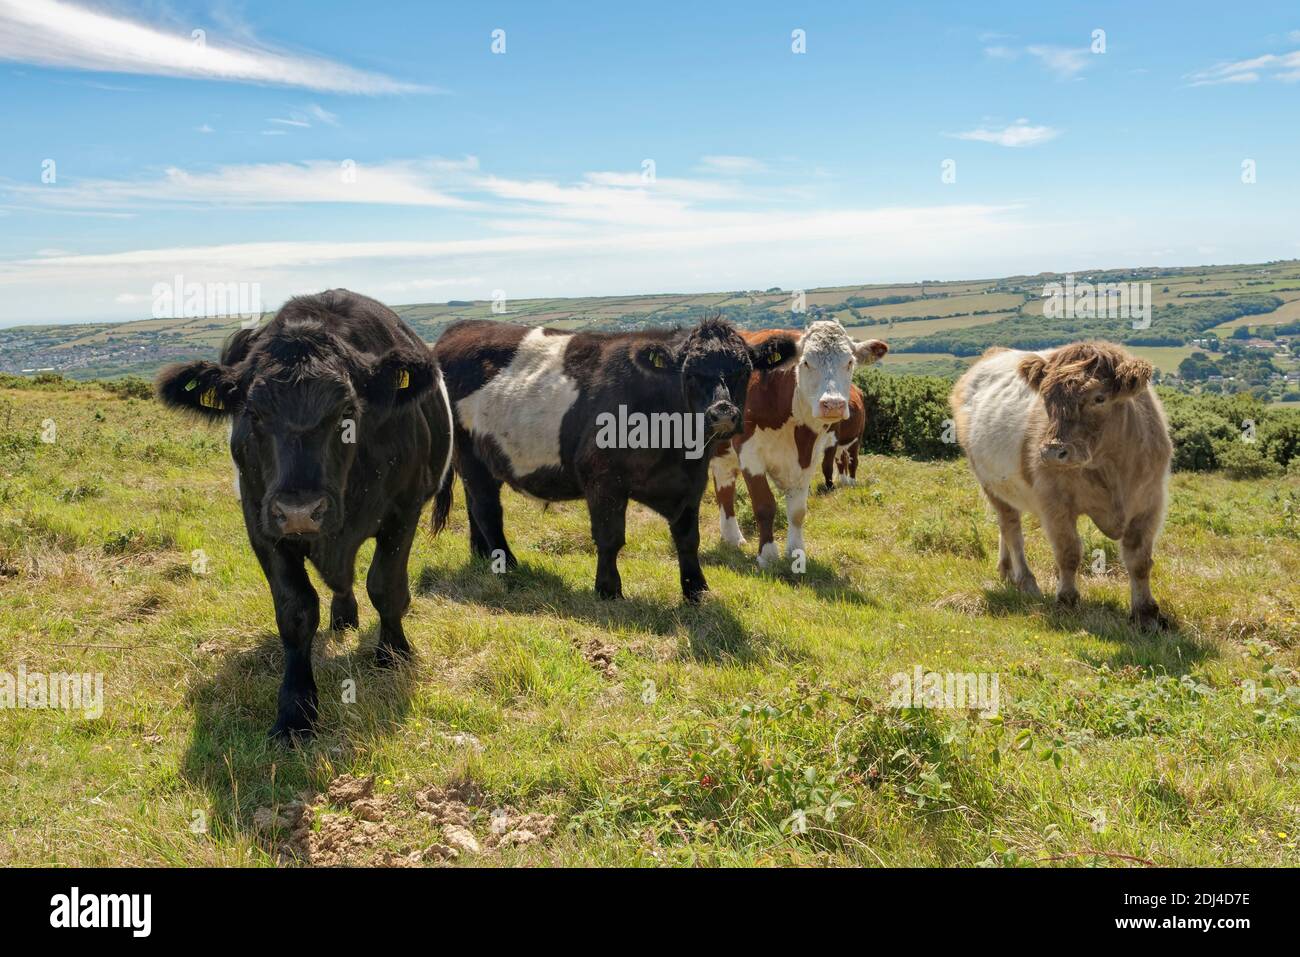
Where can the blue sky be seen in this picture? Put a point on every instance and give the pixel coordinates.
(387, 148)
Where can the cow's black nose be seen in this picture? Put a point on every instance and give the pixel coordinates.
(297, 517)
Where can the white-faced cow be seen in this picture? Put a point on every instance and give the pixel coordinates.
(842, 455)
(790, 422)
(529, 406)
(1071, 431)
(341, 431)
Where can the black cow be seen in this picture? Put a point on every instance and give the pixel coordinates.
(341, 432)
(533, 407)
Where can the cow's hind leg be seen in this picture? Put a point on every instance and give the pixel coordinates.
(1012, 564)
(487, 536)
(849, 464)
(343, 604)
(388, 585)
(1135, 549)
(828, 468)
(608, 511)
(724, 469)
(686, 537)
(764, 504)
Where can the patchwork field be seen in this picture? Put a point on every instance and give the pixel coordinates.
(552, 727)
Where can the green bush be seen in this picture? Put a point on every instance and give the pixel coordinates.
(1244, 460)
(907, 415)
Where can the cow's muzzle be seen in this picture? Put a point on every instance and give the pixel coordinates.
(722, 419)
(1062, 453)
(834, 407)
(298, 515)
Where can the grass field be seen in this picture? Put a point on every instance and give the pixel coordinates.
(754, 729)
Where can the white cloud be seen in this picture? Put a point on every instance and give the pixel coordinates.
(56, 33)
(1284, 67)
(1001, 53)
(1065, 62)
(1019, 133)
(402, 183)
(323, 115)
(287, 121)
(204, 129)
(732, 165)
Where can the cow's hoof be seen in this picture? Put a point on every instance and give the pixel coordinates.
(390, 655)
(695, 591)
(1029, 586)
(1149, 619)
(291, 732)
(1068, 598)
(344, 615)
(609, 594)
(768, 556)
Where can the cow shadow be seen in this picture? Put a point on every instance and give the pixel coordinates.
(1171, 651)
(819, 576)
(231, 758)
(714, 633)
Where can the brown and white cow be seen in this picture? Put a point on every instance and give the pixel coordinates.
(790, 420)
(842, 454)
(1071, 431)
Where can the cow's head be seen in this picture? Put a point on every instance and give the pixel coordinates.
(1082, 386)
(824, 374)
(301, 400)
(714, 364)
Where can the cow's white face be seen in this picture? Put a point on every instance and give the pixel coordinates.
(824, 373)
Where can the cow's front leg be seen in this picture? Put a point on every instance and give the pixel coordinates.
(1062, 530)
(1135, 550)
(686, 536)
(724, 470)
(764, 504)
(608, 511)
(828, 468)
(796, 509)
(297, 613)
(389, 587)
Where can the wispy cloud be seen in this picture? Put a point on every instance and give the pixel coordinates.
(1065, 62)
(732, 165)
(56, 33)
(1284, 67)
(401, 183)
(1019, 133)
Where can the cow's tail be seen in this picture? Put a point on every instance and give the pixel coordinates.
(442, 502)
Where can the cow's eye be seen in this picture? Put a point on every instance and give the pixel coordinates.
(1100, 399)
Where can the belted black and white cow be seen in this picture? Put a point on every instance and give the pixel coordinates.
(545, 410)
(341, 431)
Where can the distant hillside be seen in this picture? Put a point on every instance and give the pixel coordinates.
(930, 326)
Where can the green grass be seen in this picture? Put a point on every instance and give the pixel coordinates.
(754, 729)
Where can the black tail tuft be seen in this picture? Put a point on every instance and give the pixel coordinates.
(442, 502)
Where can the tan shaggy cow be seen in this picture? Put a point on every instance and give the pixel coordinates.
(1071, 431)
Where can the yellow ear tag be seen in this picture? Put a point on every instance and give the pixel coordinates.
(657, 360)
(404, 379)
(209, 399)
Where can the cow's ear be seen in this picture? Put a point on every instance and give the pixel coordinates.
(1032, 369)
(1132, 377)
(206, 388)
(774, 353)
(869, 351)
(399, 377)
(656, 357)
